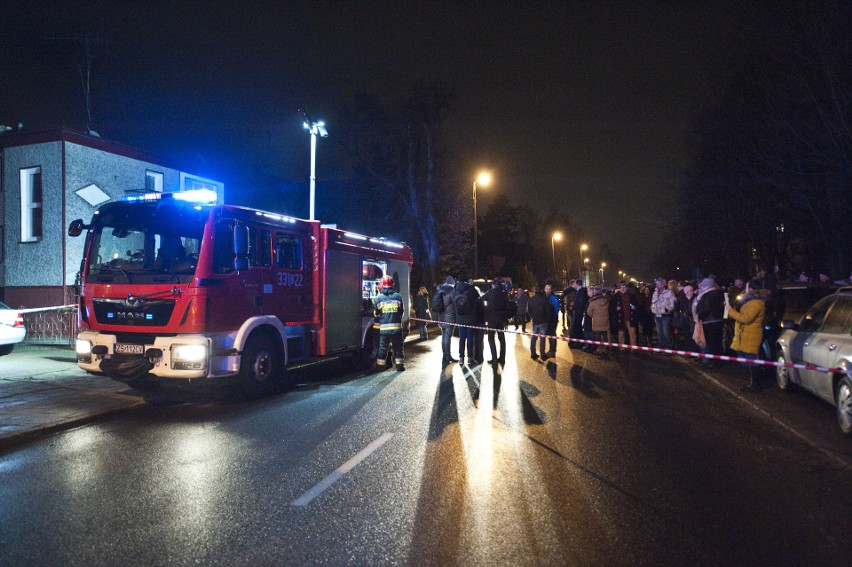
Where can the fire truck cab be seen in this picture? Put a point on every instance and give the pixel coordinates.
(174, 287)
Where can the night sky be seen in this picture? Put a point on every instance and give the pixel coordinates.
(583, 105)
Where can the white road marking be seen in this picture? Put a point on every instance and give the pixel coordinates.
(320, 487)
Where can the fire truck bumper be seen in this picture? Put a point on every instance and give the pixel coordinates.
(184, 357)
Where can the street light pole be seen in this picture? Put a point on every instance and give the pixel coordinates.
(483, 179)
(583, 248)
(316, 128)
(603, 265)
(553, 238)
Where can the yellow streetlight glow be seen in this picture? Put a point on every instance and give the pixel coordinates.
(557, 236)
(484, 179)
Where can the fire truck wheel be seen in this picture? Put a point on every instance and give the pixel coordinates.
(366, 357)
(259, 367)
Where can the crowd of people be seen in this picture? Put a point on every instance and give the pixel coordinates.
(689, 316)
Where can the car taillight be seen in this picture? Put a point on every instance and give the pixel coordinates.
(19, 320)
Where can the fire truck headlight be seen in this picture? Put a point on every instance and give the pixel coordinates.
(189, 357)
(84, 350)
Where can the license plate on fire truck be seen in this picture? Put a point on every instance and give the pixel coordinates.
(123, 348)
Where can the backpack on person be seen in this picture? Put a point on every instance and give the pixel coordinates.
(438, 302)
(463, 304)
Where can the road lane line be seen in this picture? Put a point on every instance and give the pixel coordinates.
(321, 486)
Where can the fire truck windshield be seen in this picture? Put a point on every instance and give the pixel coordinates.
(145, 248)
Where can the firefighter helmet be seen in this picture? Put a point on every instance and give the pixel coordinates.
(387, 282)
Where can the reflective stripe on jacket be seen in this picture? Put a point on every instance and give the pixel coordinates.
(389, 310)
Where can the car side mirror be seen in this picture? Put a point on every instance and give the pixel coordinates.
(76, 227)
(788, 324)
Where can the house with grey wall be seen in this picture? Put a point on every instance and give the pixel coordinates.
(48, 179)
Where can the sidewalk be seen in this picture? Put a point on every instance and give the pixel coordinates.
(42, 390)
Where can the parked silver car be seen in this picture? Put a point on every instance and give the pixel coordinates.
(822, 338)
(12, 330)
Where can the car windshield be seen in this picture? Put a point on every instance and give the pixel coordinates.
(145, 245)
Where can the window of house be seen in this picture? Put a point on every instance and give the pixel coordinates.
(31, 200)
(153, 181)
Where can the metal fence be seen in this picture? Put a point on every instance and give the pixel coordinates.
(51, 327)
(54, 325)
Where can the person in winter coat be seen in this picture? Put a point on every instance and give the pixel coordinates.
(748, 328)
(628, 318)
(710, 310)
(598, 310)
(421, 311)
(466, 297)
(662, 306)
(538, 310)
(448, 318)
(494, 304)
(684, 305)
(523, 298)
(578, 310)
(554, 318)
(644, 314)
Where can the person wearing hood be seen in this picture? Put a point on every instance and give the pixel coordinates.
(710, 310)
(748, 328)
(446, 293)
(598, 310)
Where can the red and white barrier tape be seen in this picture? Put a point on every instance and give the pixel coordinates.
(655, 349)
(53, 308)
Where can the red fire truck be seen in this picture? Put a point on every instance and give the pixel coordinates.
(174, 287)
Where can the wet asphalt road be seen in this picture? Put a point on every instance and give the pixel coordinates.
(619, 459)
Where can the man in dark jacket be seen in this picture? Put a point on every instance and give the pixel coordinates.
(494, 304)
(578, 310)
(710, 310)
(554, 318)
(466, 297)
(448, 317)
(539, 310)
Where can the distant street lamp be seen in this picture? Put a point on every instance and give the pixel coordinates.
(484, 179)
(316, 128)
(555, 237)
(583, 248)
(603, 265)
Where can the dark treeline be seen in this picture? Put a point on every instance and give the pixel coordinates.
(769, 185)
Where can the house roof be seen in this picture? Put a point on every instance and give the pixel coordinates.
(24, 138)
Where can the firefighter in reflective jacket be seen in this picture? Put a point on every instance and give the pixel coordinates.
(388, 309)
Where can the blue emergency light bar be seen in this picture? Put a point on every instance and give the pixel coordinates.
(200, 196)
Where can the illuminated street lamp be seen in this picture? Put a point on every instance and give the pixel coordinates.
(316, 128)
(603, 265)
(555, 237)
(583, 248)
(484, 179)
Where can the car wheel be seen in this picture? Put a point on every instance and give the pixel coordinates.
(782, 375)
(6, 349)
(259, 367)
(843, 402)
